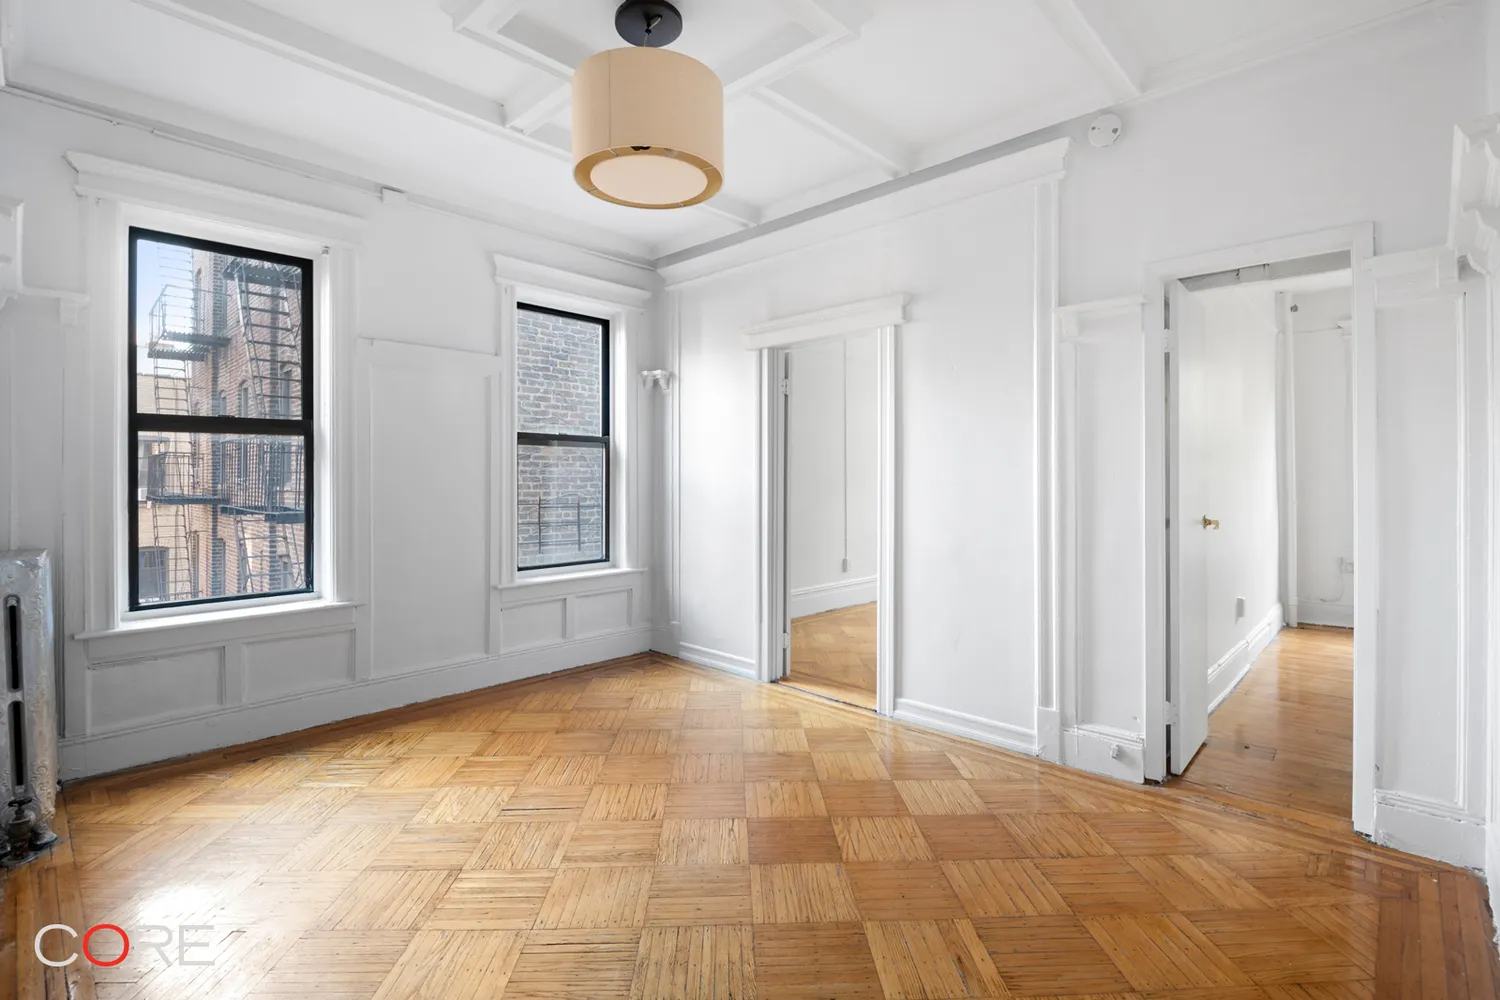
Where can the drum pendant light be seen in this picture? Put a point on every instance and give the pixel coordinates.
(648, 124)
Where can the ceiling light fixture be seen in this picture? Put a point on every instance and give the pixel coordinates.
(648, 124)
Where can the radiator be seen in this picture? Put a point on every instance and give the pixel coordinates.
(28, 703)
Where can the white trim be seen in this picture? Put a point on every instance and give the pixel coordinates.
(1048, 517)
(824, 324)
(515, 271)
(740, 666)
(101, 753)
(771, 584)
(1432, 829)
(814, 600)
(1227, 672)
(1335, 615)
(1083, 744)
(132, 183)
(1105, 750)
(922, 191)
(1000, 734)
(1359, 240)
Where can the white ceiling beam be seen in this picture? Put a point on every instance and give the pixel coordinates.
(295, 40)
(810, 106)
(483, 15)
(1091, 28)
(736, 210)
(830, 17)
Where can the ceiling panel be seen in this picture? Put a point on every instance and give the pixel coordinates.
(931, 70)
(418, 34)
(768, 156)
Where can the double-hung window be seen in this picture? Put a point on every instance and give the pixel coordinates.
(562, 439)
(209, 322)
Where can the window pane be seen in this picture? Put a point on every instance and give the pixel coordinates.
(243, 493)
(559, 373)
(560, 504)
(216, 334)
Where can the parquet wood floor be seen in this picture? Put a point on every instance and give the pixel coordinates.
(648, 829)
(833, 655)
(1286, 735)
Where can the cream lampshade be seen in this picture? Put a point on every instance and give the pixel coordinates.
(648, 128)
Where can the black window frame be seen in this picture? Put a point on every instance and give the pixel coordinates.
(138, 423)
(601, 441)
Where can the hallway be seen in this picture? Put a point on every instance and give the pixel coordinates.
(1285, 735)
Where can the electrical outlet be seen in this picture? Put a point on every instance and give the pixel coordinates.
(844, 565)
(1239, 608)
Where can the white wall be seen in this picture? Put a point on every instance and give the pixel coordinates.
(1240, 481)
(1324, 451)
(832, 427)
(1359, 130)
(965, 435)
(418, 604)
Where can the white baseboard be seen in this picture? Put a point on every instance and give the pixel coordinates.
(972, 727)
(728, 662)
(831, 596)
(1319, 613)
(84, 756)
(1105, 750)
(1225, 675)
(1437, 830)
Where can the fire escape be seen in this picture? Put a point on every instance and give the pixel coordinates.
(253, 481)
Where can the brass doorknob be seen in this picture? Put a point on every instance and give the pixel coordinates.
(1208, 523)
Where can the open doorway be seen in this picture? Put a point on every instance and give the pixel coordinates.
(1260, 486)
(832, 425)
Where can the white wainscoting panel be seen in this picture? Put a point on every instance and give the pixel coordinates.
(429, 487)
(534, 623)
(601, 613)
(278, 668)
(140, 692)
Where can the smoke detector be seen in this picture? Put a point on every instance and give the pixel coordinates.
(1104, 130)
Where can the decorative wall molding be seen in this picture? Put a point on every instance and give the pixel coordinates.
(1474, 194)
(1000, 734)
(135, 184)
(12, 284)
(924, 190)
(1225, 674)
(1414, 275)
(822, 324)
(513, 270)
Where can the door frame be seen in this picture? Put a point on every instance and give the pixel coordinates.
(771, 340)
(1359, 241)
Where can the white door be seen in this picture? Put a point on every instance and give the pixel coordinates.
(1187, 450)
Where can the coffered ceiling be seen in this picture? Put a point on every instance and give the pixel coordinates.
(467, 101)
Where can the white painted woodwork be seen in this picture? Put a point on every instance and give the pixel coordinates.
(1188, 454)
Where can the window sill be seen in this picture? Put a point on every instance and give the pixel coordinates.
(544, 581)
(202, 628)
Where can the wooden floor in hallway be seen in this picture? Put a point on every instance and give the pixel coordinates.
(648, 829)
(833, 655)
(1285, 736)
